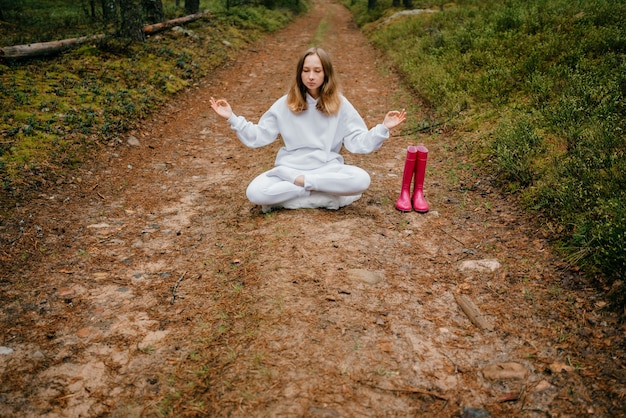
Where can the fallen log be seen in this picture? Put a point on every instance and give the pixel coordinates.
(158, 27)
(45, 48)
(54, 47)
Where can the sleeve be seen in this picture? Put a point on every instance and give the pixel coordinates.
(256, 135)
(356, 137)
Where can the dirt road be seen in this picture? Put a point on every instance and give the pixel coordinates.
(152, 287)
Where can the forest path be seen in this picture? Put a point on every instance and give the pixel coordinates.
(163, 291)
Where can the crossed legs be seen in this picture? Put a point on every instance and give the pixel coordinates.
(283, 184)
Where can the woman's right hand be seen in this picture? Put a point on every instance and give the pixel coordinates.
(222, 108)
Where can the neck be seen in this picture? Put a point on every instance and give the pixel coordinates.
(314, 93)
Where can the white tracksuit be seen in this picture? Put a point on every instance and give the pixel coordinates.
(312, 142)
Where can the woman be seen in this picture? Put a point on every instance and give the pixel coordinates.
(314, 121)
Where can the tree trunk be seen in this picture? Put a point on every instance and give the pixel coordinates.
(109, 11)
(192, 6)
(132, 21)
(153, 10)
(395, 3)
(371, 4)
(408, 4)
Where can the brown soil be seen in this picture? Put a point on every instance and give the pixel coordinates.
(149, 285)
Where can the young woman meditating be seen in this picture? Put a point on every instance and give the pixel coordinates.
(314, 121)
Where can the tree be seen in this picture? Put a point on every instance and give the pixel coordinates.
(109, 11)
(7, 6)
(132, 20)
(153, 10)
(192, 6)
(92, 9)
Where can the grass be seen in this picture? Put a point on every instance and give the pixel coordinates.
(320, 33)
(545, 84)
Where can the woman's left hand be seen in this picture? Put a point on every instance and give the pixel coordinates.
(394, 118)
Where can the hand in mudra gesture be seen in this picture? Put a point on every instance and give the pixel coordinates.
(222, 108)
(394, 118)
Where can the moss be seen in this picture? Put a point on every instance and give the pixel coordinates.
(20, 116)
(174, 84)
(86, 50)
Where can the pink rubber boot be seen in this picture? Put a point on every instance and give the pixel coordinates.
(404, 201)
(419, 202)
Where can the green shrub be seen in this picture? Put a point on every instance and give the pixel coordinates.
(550, 77)
(515, 149)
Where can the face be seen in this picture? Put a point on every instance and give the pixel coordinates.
(313, 74)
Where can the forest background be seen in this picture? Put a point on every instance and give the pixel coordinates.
(534, 92)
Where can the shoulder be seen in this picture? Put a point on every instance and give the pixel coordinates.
(278, 107)
(279, 104)
(281, 101)
(346, 105)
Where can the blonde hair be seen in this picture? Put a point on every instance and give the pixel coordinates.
(329, 99)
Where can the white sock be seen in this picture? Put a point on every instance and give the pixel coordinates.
(284, 173)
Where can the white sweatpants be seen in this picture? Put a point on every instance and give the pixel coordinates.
(334, 179)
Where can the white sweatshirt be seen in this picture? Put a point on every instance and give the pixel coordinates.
(311, 139)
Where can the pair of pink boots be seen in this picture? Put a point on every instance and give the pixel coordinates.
(415, 165)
